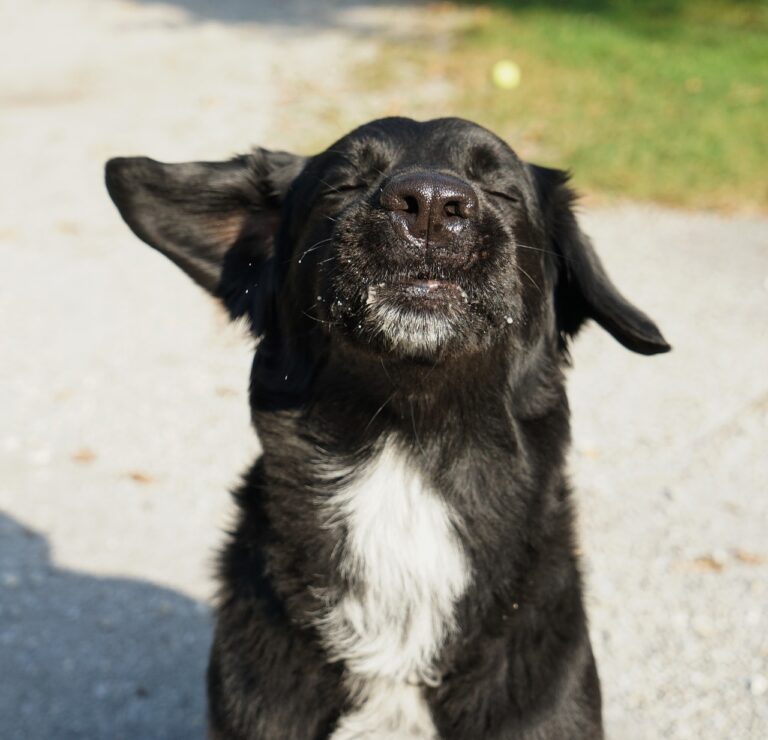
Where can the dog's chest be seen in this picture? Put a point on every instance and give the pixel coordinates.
(406, 569)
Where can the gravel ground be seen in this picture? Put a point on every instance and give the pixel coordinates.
(123, 417)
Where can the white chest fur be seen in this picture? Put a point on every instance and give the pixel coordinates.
(402, 550)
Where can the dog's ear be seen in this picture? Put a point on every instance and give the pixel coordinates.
(583, 289)
(207, 217)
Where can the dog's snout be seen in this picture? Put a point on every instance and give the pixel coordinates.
(429, 206)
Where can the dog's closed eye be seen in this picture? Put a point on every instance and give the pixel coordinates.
(341, 190)
(511, 195)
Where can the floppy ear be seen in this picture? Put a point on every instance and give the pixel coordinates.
(206, 216)
(584, 290)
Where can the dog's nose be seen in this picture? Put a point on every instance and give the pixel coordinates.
(429, 205)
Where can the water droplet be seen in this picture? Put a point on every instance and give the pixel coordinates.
(508, 319)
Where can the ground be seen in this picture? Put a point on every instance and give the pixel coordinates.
(123, 418)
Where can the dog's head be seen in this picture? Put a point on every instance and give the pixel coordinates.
(415, 241)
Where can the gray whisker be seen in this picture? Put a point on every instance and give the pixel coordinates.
(536, 285)
(315, 246)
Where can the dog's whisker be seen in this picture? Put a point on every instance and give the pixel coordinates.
(379, 410)
(323, 322)
(432, 369)
(544, 251)
(332, 188)
(415, 433)
(315, 246)
(384, 368)
(535, 284)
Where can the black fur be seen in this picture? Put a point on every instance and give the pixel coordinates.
(297, 245)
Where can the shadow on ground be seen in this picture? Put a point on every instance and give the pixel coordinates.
(88, 657)
(327, 12)
(314, 13)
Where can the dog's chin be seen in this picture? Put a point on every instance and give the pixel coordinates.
(419, 319)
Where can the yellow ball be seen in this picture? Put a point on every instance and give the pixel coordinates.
(506, 74)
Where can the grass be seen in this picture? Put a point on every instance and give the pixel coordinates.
(655, 101)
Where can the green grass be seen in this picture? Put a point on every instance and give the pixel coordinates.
(654, 101)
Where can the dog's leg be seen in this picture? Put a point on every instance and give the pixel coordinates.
(267, 680)
(508, 695)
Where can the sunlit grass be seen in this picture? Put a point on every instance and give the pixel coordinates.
(668, 105)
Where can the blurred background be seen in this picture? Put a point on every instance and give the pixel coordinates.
(123, 417)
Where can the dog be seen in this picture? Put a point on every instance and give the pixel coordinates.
(403, 566)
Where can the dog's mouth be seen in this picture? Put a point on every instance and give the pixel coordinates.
(416, 317)
(419, 293)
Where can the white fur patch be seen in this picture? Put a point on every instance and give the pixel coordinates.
(411, 331)
(387, 710)
(403, 552)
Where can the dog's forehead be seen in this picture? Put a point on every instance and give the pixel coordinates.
(437, 143)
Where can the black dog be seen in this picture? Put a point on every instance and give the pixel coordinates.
(404, 562)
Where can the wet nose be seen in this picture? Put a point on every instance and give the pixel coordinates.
(429, 206)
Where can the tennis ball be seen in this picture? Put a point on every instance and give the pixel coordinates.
(506, 74)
